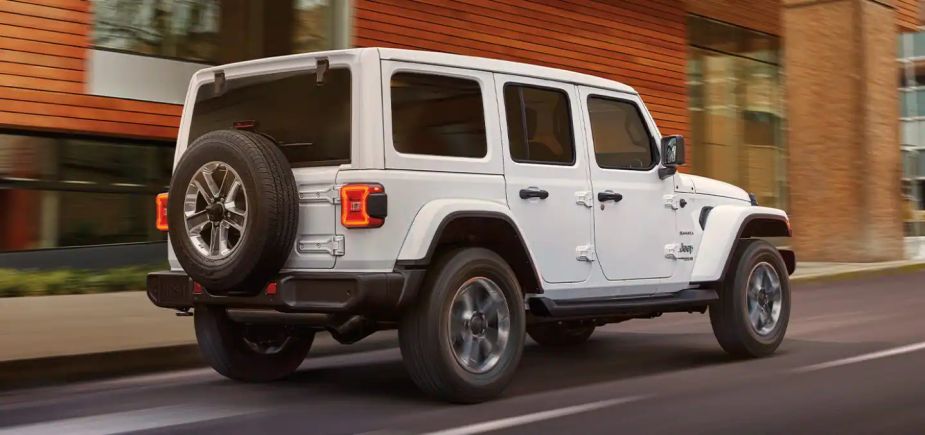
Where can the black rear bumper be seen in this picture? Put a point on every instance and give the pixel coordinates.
(376, 294)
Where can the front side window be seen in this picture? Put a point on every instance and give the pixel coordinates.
(310, 123)
(539, 126)
(621, 139)
(438, 115)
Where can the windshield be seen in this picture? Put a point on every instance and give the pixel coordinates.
(310, 122)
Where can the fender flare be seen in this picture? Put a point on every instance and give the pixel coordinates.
(430, 221)
(420, 243)
(724, 228)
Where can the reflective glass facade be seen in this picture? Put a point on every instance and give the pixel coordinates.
(69, 191)
(911, 57)
(736, 108)
(214, 31)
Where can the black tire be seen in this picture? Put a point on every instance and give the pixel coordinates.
(553, 334)
(222, 344)
(729, 316)
(272, 212)
(424, 329)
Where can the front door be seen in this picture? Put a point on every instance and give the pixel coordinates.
(546, 173)
(634, 219)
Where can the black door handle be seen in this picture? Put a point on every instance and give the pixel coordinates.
(609, 196)
(533, 193)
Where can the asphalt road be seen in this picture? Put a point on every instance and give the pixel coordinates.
(853, 362)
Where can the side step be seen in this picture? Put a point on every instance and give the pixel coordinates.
(682, 301)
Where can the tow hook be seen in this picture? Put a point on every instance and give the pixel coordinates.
(184, 312)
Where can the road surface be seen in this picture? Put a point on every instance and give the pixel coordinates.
(853, 362)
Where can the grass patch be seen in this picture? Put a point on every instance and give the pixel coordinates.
(19, 282)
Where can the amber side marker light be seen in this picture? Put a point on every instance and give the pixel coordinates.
(363, 205)
(161, 221)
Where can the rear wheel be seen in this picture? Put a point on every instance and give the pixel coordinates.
(554, 334)
(252, 353)
(463, 339)
(751, 316)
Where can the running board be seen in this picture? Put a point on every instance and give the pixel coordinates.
(682, 301)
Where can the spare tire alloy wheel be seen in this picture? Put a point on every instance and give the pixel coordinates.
(215, 207)
(234, 223)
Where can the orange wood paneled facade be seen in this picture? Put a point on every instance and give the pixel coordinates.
(43, 62)
(639, 42)
(764, 15)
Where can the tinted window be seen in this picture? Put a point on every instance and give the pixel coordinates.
(437, 115)
(311, 123)
(621, 140)
(539, 126)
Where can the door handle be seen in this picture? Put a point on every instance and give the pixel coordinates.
(533, 192)
(609, 195)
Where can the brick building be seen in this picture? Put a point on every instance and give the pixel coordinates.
(794, 100)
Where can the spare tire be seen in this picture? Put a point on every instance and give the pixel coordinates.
(233, 211)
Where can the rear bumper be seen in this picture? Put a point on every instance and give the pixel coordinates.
(378, 295)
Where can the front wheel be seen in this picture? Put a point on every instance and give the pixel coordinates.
(463, 339)
(751, 316)
(250, 353)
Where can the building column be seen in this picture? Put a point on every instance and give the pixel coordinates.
(842, 110)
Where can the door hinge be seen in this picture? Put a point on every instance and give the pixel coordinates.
(672, 201)
(333, 245)
(584, 198)
(585, 253)
(671, 251)
(329, 194)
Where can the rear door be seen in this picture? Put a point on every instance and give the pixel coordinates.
(312, 125)
(546, 173)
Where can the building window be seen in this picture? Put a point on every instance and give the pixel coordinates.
(71, 191)
(183, 29)
(438, 115)
(912, 127)
(220, 31)
(539, 125)
(735, 103)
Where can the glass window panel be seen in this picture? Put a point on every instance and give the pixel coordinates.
(620, 137)
(438, 115)
(184, 29)
(910, 133)
(918, 41)
(539, 125)
(311, 121)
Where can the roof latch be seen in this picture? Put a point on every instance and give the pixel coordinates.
(320, 69)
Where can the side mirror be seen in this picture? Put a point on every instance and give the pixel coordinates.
(672, 155)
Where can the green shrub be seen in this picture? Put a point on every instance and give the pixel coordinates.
(31, 282)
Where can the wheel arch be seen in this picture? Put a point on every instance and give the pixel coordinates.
(447, 223)
(718, 242)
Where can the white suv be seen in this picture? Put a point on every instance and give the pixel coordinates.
(468, 202)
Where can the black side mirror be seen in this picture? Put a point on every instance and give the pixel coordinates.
(672, 155)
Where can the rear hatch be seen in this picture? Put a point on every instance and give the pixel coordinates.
(311, 124)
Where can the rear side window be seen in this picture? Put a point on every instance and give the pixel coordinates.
(437, 115)
(310, 123)
(539, 125)
(621, 139)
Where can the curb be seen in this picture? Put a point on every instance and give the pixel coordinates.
(871, 272)
(56, 370)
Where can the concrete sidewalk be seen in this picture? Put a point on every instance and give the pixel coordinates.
(125, 330)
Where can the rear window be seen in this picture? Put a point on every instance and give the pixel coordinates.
(437, 115)
(311, 123)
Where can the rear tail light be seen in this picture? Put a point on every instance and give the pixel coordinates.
(161, 219)
(197, 288)
(271, 289)
(363, 205)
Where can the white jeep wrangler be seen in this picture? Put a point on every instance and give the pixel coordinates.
(468, 202)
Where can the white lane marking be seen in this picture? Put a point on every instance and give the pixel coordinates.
(504, 423)
(861, 358)
(128, 421)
